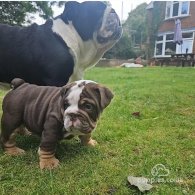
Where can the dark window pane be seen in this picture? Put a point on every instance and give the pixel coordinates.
(159, 49)
(187, 35)
(170, 48)
(175, 8)
(185, 7)
(168, 11)
(159, 38)
(169, 36)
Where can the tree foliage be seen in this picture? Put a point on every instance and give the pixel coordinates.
(15, 12)
(121, 50)
(134, 33)
(135, 25)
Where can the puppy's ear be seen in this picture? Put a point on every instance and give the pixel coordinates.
(65, 89)
(70, 9)
(105, 96)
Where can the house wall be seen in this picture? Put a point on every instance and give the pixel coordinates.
(186, 22)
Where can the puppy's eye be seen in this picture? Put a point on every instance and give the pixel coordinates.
(66, 105)
(88, 106)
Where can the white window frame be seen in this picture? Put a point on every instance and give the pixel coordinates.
(163, 46)
(170, 4)
(178, 47)
(181, 48)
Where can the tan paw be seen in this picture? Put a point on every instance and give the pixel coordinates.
(14, 151)
(91, 142)
(49, 163)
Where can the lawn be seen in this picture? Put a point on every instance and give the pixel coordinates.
(161, 132)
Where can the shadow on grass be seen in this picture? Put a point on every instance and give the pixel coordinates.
(65, 149)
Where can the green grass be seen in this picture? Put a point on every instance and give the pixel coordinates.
(128, 145)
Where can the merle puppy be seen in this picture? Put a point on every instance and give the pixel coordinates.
(54, 113)
(59, 51)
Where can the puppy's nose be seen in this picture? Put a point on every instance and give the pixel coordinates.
(73, 116)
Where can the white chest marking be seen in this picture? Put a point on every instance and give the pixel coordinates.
(78, 47)
(85, 53)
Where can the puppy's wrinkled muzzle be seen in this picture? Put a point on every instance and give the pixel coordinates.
(78, 124)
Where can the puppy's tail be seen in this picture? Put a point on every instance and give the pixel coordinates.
(16, 83)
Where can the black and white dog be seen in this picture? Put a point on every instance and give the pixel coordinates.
(59, 51)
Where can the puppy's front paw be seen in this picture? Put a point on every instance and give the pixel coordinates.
(49, 163)
(14, 151)
(91, 142)
(86, 140)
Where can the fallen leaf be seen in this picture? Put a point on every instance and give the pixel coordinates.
(136, 114)
(140, 182)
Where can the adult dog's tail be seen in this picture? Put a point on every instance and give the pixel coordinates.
(16, 83)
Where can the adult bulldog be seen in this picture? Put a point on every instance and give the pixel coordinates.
(54, 113)
(59, 51)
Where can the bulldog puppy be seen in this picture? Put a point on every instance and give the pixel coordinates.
(59, 51)
(54, 113)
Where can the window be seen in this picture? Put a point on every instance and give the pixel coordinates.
(187, 46)
(170, 36)
(165, 46)
(187, 35)
(177, 9)
(159, 38)
(170, 48)
(168, 9)
(159, 49)
(185, 7)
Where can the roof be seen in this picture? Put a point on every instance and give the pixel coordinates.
(150, 5)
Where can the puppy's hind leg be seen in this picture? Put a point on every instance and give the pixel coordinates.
(9, 128)
(23, 131)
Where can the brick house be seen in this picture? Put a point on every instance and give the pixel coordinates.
(169, 11)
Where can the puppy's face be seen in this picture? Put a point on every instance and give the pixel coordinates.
(82, 103)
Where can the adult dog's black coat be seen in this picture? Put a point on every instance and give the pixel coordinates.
(60, 50)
